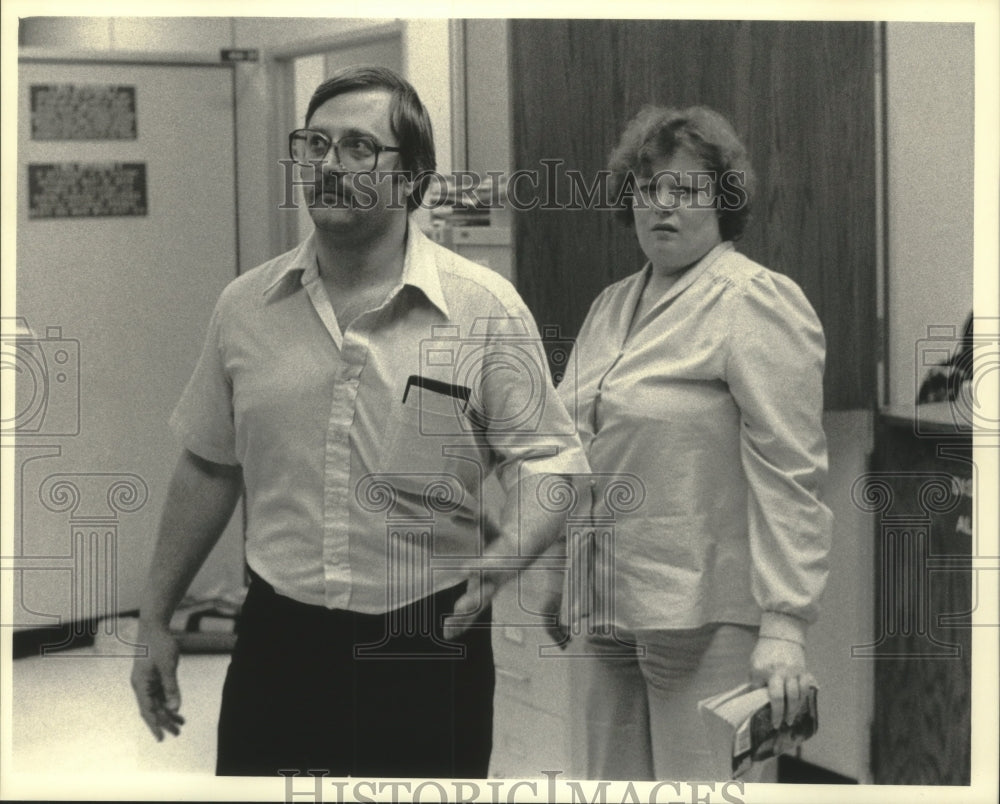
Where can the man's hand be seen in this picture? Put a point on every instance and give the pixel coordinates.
(480, 588)
(483, 585)
(154, 680)
(555, 627)
(531, 530)
(780, 665)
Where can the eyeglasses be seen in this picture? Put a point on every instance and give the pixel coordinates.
(663, 192)
(356, 154)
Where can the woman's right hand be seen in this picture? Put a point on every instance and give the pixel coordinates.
(780, 665)
(154, 681)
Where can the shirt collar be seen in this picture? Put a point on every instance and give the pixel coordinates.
(301, 263)
(691, 274)
(420, 267)
(711, 256)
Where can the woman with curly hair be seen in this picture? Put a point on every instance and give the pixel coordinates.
(700, 375)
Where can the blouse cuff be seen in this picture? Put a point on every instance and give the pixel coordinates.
(776, 625)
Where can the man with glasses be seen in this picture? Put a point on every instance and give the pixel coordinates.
(358, 390)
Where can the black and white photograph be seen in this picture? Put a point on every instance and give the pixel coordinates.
(500, 402)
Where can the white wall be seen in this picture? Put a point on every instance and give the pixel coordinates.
(847, 611)
(301, 32)
(182, 34)
(930, 127)
(426, 64)
(488, 96)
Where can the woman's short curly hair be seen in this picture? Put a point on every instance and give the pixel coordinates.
(658, 132)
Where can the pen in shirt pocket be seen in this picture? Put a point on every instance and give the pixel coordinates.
(436, 386)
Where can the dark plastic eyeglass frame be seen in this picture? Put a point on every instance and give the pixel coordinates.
(379, 148)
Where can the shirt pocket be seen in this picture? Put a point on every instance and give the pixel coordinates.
(434, 440)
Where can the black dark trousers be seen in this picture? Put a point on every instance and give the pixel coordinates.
(310, 688)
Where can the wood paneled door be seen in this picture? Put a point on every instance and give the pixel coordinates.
(801, 94)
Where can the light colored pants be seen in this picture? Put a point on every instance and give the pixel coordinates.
(636, 717)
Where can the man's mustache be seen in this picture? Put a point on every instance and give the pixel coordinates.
(333, 183)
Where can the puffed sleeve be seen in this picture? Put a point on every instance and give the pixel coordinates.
(203, 418)
(774, 368)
